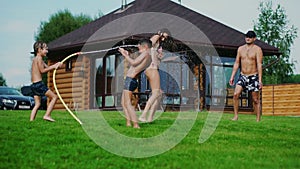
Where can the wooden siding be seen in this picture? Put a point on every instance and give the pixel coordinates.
(73, 85)
(281, 99)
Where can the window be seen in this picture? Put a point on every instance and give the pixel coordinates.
(110, 66)
(99, 66)
(185, 77)
(98, 84)
(218, 91)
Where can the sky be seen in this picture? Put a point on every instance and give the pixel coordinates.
(20, 20)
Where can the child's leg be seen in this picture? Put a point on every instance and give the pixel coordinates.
(130, 108)
(53, 99)
(154, 80)
(148, 106)
(37, 101)
(154, 106)
(128, 122)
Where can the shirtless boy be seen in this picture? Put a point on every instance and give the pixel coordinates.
(136, 66)
(250, 57)
(38, 87)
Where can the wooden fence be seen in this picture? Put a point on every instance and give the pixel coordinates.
(281, 99)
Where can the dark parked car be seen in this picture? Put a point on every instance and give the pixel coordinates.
(11, 98)
(26, 91)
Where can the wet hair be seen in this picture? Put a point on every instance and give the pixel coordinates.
(146, 42)
(38, 45)
(168, 43)
(165, 30)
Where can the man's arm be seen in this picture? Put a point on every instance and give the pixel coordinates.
(259, 60)
(235, 67)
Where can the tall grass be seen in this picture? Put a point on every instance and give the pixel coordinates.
(272, 143)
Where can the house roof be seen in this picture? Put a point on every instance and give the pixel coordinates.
(149, 15)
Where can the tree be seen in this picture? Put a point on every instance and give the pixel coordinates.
(2, 80)
(294, 79)
(60, 24)
(273, 27)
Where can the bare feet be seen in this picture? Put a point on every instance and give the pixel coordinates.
(48, 118)
(128, 123)
(136, 125)
(142, 119)
(150, 119)
(234, 118)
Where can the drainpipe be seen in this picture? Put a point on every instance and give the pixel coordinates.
(124, 4)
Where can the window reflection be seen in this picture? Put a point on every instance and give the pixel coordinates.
(110, 66)
(218, 90)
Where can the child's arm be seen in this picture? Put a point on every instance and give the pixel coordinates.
(154, 39)
(160, 53)
(133, 62)
(43, 67)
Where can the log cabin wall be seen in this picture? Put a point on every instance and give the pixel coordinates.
(73, 84)
(281, 99)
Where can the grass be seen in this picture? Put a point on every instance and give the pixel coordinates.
(272, 143)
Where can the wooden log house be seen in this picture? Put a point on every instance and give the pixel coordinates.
(194, 81)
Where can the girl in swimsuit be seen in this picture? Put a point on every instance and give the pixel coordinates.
(152, 74)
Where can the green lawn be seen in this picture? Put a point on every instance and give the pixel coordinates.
(272, 143)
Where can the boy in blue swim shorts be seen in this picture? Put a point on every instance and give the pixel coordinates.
(38, 87)
(130, 84)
